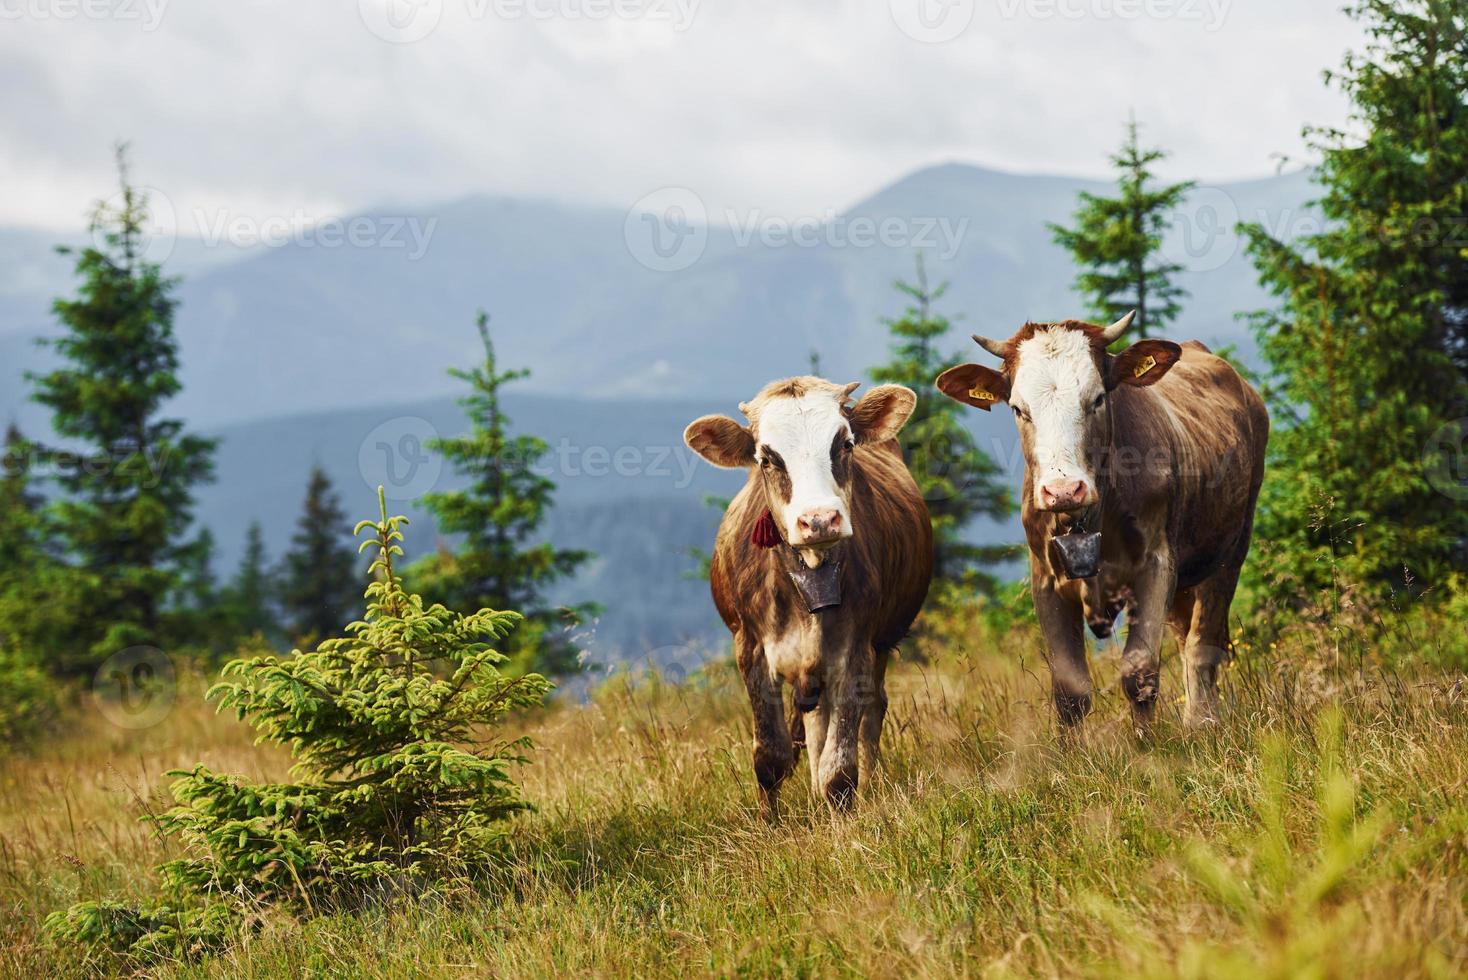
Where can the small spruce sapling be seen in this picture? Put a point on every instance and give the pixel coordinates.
(400, 785)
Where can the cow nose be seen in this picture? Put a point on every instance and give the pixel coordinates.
(1063, 494)
(819, 525)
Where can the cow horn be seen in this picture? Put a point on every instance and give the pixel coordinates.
(1118, 328)
(848, 389)
(995, 347)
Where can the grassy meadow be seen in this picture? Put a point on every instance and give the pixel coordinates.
(1320, 830)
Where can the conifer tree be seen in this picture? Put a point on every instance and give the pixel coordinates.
(399, 785)
(27, 612)
(20, 502)
(958, 480)
(1368, 350)
(248, 597)
(318, 573)
(494, 519)
(127, 496)
(1116, 241)
(198, 589)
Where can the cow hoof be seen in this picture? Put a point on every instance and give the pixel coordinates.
(1072, 709)
(771, 769)
(841, 791)
(769, 806)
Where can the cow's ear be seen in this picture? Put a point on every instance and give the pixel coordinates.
(882, 412)
(721, 441)
(974, 384)
(1143, 363)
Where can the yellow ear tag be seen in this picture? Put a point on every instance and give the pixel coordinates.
(979, 394)
(1148, 363)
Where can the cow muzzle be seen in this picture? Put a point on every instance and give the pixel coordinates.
(1065, 495)
(820, 528)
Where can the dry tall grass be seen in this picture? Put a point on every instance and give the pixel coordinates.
(1320, 830)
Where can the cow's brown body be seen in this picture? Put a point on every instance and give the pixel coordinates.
(1159, 448)
(834, 659)
(1177, 512)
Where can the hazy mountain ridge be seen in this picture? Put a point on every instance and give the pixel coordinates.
(571, 301)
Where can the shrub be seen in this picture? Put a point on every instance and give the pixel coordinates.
(399, 789)
(27, 699)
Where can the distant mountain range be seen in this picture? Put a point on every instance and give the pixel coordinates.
(305, 350)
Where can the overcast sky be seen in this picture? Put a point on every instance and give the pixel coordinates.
(791, 107)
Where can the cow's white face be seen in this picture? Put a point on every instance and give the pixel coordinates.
(1056, 377)
(803, 449)
(803, 437)
(1059, 399)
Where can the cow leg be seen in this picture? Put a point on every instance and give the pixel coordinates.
(1061, 620)
(848, 689)
(817, 721)
(1141, 661)
(774, 755)
(874, 714)
(1207, 645)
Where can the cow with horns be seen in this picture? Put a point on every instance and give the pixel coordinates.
(821, 564)
(1141, 474)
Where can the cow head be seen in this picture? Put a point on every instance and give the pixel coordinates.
(802, 435)
(1056, 377)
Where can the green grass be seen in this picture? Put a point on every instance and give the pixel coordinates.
(1320, 830)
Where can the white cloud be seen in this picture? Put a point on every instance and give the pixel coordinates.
(793, 107)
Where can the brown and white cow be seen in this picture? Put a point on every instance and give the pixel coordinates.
(820, 566)
(1160, 449)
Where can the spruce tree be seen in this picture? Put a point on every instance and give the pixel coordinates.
(248, 597)
(28, 621)
(1116, 241)
(958, 480)
(1367, 351)
(127, 492)
(494, 520)
(318, 572)
(400, 786)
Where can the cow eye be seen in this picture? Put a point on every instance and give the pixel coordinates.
(1021, 412)
(1096, 405)
(850, 444)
